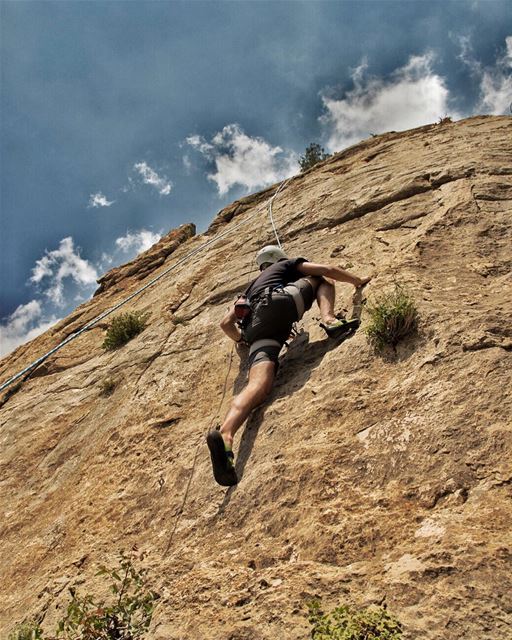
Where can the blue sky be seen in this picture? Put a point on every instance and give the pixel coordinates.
(122, 120)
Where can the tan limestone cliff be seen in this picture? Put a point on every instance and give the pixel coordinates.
(364, 479)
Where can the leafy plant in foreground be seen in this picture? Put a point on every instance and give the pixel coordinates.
(26, 631)
(123, 328)
(345, 623)
(127, 617)
(392, 317)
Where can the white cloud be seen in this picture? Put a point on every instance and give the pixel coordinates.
(128, 247)
(151, 177)
(106, 258)
(24, 324)
(51, 272)
(240, 159)
(359, 71)
(200, 144)
(496, 83)
(466, 54)
(137, 241)
(414, 95)
(187, 163)
(99, 200)
(55, 266)
(128, 187)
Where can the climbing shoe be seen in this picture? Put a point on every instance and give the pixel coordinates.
(222, 460)
(340, 328)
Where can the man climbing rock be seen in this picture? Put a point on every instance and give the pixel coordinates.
(262, 318)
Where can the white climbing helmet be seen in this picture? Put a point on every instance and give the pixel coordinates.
(271, 253)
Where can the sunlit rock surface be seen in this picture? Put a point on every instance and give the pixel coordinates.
(364, 479)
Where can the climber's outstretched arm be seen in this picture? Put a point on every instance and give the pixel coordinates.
(329, 271)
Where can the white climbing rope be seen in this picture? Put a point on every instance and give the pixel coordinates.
(185, 258)
(281, 186)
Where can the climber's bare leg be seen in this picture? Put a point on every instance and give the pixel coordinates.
(325, 297)
(261, 378)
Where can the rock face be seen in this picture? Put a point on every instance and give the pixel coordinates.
(146, 263)
(364, 478)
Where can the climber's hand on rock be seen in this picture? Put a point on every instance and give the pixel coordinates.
(362, 282)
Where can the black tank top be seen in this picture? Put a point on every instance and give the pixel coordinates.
(279, 274)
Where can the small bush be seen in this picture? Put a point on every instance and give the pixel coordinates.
(313, 155)
(392, 317)
(125, 617)
(344, 623)
(176, 320)
(107, 387)
(123, 328)
(26, 631)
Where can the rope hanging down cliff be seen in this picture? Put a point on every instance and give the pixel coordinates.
(281, 186)
(27, 371)
(213, 421)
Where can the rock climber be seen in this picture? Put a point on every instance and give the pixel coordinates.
(262, 319)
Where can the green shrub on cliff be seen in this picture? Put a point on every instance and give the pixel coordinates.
(313, 155)
(125, 616)
(345, 623)
(392, 317)
(26, 631)
(123, 328)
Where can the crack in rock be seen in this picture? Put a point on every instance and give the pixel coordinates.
(487, 343)
(398, 223)
(418, 186)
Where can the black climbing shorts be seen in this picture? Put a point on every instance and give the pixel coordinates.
(266, 353)
(272, 319)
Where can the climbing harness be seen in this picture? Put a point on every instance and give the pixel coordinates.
(295, 293)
